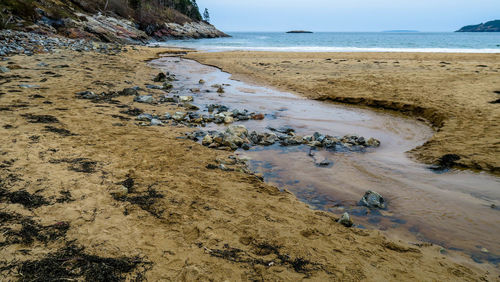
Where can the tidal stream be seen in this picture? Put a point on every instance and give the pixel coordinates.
(455, 209)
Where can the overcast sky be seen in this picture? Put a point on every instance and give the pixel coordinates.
(349, 15)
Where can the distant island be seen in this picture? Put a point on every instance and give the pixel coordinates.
(491, 26)
(299, 31)
(401, 31)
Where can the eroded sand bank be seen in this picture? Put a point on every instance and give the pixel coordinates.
(196, 223)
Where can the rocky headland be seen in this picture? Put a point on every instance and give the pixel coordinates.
(491, 26)
(109, 21)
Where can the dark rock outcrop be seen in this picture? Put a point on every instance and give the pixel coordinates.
(491, 26)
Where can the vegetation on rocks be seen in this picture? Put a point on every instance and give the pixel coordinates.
(70, 18)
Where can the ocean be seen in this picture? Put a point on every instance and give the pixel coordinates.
(446, 42)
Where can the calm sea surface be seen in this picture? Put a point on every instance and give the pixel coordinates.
(350, 42)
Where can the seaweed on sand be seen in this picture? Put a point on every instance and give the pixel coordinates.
(72, 263)
(30, 230)
(60, 131)
(22, 197)
(146, 200)
(275, 257)
(132, 112)
(40, 118)
(79, 164)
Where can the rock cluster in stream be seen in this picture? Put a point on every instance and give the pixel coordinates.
(237, 136)
(25, 43)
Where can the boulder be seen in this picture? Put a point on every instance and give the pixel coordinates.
(373, 199)
(237, 130)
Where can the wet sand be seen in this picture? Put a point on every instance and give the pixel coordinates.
(438, 207)
(455, 93)
(198, 224)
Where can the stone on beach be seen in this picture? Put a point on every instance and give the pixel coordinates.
(346, 220)
(184, 99)
(147, 99)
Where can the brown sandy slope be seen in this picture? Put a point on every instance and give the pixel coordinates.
(451, 91)
(207, 224)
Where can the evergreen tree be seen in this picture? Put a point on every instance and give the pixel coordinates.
(206, 15)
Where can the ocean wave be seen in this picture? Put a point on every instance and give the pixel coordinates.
(344, 49)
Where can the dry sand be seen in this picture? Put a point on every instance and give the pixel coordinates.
(454, 92)
(207, 224)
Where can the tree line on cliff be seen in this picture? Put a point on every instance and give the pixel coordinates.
(146, 13)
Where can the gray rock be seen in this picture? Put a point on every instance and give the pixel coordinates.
(87, 95)
(129, 92)
(156, 122)
(373, 199)
(237, 130)
(207, 140)
(4, 69)
(28, 86)
(178, 116)
(148, 99)
(144, 117)
(346, 220)
(372, 142)
(184, 99)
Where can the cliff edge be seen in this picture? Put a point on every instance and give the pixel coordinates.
(116, 21)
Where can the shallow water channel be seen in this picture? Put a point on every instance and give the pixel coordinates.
(453, 209)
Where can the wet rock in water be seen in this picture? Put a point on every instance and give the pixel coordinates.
(4, 69)
(150, 86)
(190, 106)
(372, 142)
(220, 90)
(267, 139)
(87, 95)
(220, 108)
(201, 81)
(156, 122)
(373, 199)
(346, 220)
(184, 99)
(324, 163)
(178, 116)
(228, 119)
(238, 130)
(258, 116)
(161, 77)
(147, 99)
(207, 140)
(167, 86)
